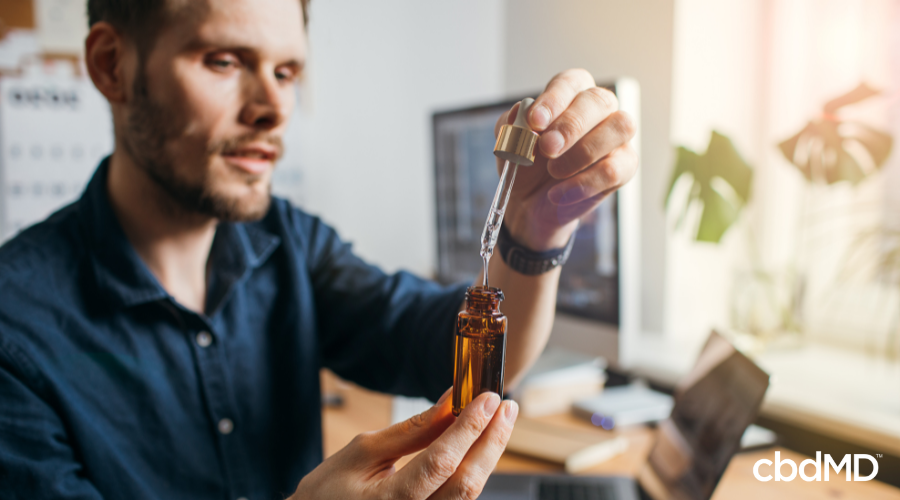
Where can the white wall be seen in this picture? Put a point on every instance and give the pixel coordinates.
(359, 150)
(609, 38)
(717, 82)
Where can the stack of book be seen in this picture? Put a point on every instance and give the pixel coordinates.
(575, 449)
(558, 379)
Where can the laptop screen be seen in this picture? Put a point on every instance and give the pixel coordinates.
(714, 404)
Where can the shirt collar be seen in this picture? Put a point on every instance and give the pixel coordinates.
(124, 278)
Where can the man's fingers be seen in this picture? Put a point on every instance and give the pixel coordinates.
(616, 129)
(405, 437)
(506, 118)
(601, 177)
(473, 472)
(589, 108)
(430, 469)
(559, 93)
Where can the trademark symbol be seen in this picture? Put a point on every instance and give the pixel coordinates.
(878, 455)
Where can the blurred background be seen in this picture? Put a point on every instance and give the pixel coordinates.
(768, 125)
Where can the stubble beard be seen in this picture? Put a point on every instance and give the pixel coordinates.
(149, 129)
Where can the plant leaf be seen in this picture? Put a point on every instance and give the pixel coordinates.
(819, 150)
(685, 162)
(725, 162)
(861, 92)
(877, 143)
(718, 215)
(720, 161)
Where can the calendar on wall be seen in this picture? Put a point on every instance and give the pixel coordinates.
(54, 130)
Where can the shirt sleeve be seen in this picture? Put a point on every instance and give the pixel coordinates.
(36, 460)
(387, 332)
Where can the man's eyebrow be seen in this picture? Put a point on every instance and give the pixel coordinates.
(200, 43)
(295, 64)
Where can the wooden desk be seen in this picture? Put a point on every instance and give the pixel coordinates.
(364, 410)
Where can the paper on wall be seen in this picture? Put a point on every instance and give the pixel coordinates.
(54, 130)
(62, 25)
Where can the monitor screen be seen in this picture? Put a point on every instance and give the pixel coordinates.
(465, 180)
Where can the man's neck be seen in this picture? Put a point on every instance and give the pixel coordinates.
(173, 243)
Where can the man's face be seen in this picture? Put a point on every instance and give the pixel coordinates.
(211, 103)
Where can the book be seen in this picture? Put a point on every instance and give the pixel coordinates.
(624, 405)
(575, 449)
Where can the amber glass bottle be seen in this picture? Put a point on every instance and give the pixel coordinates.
(480, 347)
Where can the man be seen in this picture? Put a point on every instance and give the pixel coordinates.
(162, 336)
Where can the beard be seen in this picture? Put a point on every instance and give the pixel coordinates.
(151, 128)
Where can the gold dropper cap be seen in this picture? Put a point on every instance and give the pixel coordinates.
(516, 142)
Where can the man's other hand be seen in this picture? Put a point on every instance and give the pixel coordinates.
(459, 455)
(582, 156)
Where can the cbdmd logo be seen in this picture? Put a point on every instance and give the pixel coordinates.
(818, 466)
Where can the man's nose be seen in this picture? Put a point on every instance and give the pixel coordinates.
(268, 103)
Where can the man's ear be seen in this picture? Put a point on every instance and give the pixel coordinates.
(105, 57)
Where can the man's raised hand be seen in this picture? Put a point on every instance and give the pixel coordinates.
(582, 156)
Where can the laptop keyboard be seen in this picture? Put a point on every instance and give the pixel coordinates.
(559, 490)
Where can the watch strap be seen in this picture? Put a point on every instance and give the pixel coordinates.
(525, 260)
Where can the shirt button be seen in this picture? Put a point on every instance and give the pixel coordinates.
(204, 339)
(226, 426)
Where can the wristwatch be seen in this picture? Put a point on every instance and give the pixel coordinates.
(525, 260)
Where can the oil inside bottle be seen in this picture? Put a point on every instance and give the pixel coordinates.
(480, 347)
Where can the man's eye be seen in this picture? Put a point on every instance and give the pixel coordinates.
(222, 63)
(285, 76)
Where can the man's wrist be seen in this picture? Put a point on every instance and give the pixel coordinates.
(526, 261)
(542, 239)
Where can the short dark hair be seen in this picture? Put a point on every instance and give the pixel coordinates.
(142, 19)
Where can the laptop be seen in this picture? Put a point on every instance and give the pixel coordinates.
(559, 487)
(714, 404)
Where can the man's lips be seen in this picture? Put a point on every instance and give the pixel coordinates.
(254, 158)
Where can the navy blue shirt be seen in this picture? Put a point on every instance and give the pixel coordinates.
(111, 389)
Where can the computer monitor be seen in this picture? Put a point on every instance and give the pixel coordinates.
(598, 304)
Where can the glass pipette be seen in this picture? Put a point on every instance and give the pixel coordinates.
(515, 145)
(495, 215)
